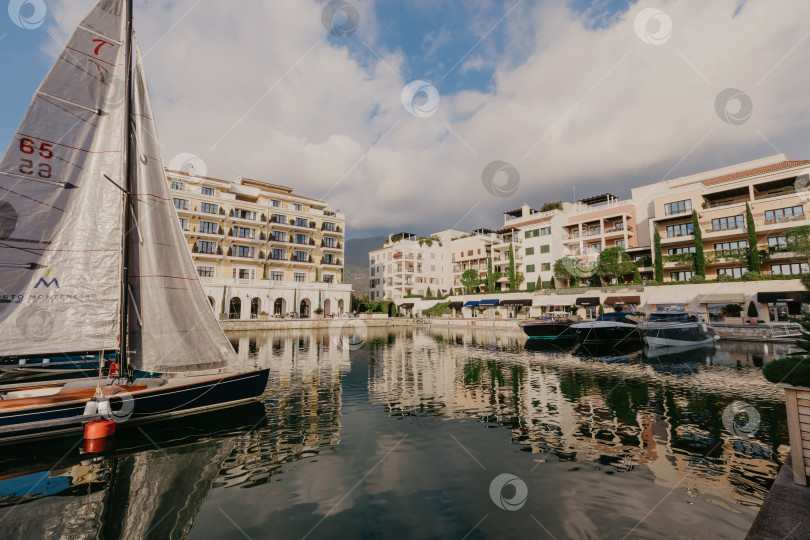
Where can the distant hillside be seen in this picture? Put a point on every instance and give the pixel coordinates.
(355, 270)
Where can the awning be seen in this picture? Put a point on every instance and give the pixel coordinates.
(550, 300)
(721, 298)
(456, 305)
(588, 301)
(610, 300)
(785, 296)
(669, 297)
(526, 302)
(489, 302)
(471, 303)
(406, 305)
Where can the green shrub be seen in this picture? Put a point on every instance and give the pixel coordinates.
(697, 279)
(724, 278)
(732, 310)
(752, 309)
(805, 280)
(793, 370)
(652, 283)
(752, 276)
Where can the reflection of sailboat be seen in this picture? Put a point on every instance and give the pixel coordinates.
(96, 222)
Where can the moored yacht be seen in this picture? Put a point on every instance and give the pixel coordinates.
(617, 327)
(676, 329)
(552, 326)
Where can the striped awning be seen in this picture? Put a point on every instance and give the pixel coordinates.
(611, 300)
(721, 298)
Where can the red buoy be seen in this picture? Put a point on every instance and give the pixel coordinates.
(96, 446)
(100, 429)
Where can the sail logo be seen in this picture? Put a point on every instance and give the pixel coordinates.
(47, 284)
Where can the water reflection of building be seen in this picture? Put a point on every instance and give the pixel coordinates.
(303, 401)
(662, 414)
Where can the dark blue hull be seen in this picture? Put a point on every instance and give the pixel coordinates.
(139, 406)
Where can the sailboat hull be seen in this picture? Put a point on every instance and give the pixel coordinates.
(161, 398)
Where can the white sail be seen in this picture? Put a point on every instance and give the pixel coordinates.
(60, 210)
(171, 326)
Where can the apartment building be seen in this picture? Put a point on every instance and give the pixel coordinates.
(260, 248)
(409, 264)
(774, 189)
(539, 239)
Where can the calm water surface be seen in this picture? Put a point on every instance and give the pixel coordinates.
(408, 434)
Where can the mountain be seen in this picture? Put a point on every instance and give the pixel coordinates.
(355, 268)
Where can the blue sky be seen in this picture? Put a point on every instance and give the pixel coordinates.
(572, 94)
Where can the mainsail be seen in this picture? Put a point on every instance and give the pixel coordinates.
(60, 204)
(172, 328)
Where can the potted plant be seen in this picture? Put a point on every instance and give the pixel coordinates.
(523, 313)
(264, 316)
(731, 314)
(753, 313)
(497, 315)
(319, 312)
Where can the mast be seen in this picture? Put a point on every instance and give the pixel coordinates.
(127, 209)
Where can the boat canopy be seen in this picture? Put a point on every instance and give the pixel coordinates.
(471, 303)
(613, 317)
(670, 316)
(489, 302)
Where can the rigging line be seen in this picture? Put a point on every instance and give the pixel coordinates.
(134, 305)
(94, 111)
(113, 182)
(27, 197)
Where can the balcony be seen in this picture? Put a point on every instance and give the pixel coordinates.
(338, 246)
(330, 262)
(279, 222)
(296, 259)
(272, 257)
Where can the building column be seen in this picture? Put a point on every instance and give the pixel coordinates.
(624, 228)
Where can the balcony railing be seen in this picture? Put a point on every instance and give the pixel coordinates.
(296, 258)
(784, 219)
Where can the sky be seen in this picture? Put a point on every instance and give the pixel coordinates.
(424, 115)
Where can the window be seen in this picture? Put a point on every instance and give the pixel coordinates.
(678, 207)
(777, 243)
(300, 277)
(680, 276)
(178, 186)
(790, 269)
(279, 236)
(594, 229)
(181, 204)
(329, 242)
(278, 218)
(244, 232)
(532, 234)
(679, 250)
(211, 192)
(244, 273)
(529, 251)
(328, 278)
(206, 247)
(545, 249)
(330, 259)
(209, 208)
(529, 268)
(301, 256)
(731, 222)
(301, 222)
(243, 251)
(725, 246)
(684, 229)
(184, 223)
(276, 275)
(276, 203)
(545, 267)
(784, 214)
(301, 239)
(297, 207)
(545, 231)
(278, 254)
(206, 271)
(209, 227)
(733, 272)
(620, 243)
(530, 286)
(327, 226)
(244, 214)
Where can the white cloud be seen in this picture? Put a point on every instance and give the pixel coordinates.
(611, 111)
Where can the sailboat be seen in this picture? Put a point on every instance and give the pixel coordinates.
(93, 258)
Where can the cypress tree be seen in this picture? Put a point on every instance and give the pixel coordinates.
(539, 284)
(512, 273)
(490, 282)
(636, 276)
(753, 251)
(700, 257)
(659, 258)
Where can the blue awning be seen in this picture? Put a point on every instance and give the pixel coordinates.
(492, 302)
(471, 303)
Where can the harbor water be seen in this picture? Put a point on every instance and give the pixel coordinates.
(430, 433)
